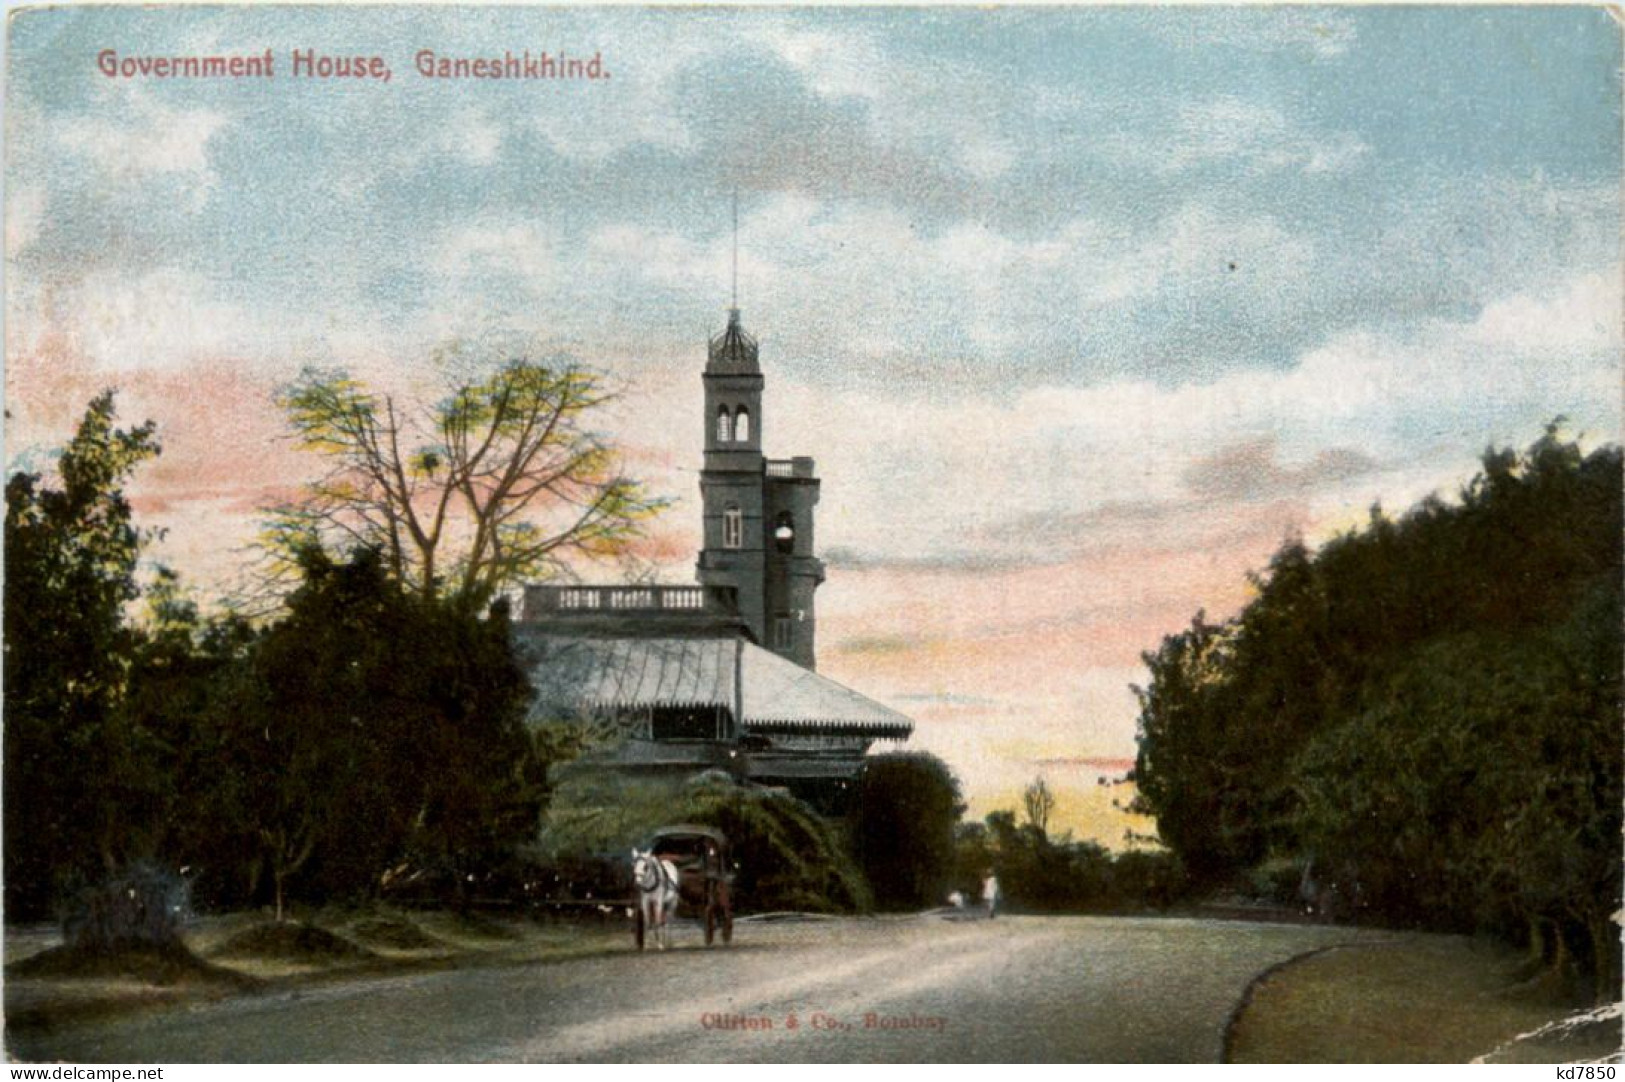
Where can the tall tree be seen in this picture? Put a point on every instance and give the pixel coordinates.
(371, 727)
(71, 762)
(190, 688)
(484, 789)
(324, 734)
(1183, 771)
(177, 657)
(1424, 712)
(902, 822)
(1038, 801)
(501, 481)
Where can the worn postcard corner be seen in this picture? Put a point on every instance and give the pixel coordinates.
(784, 534)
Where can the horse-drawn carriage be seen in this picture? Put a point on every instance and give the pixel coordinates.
(683, 864)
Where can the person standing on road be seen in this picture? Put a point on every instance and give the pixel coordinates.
(990, 894)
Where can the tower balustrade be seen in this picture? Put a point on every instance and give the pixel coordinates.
(547, 601)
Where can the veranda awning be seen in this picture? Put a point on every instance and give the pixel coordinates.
(771, 694)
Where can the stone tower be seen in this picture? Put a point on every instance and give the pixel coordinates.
(758, 539)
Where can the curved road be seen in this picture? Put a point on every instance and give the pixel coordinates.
(916, 989)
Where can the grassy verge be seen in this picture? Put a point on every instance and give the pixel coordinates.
(246, 954)
(1409, 999)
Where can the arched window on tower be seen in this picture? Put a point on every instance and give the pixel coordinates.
(742, 425)
(733, 527)
(784, 533)
(725, 428)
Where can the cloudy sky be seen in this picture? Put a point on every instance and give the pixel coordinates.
(1081, 311)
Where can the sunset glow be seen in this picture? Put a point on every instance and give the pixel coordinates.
(1075, 347)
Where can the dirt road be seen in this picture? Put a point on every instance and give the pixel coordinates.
(1014, 989)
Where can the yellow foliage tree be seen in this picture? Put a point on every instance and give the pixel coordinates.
(500, 482)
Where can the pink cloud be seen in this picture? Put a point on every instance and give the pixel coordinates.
(1250, 470)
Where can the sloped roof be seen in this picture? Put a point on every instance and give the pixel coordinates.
(778, 695)
(782, 696)
(569, 671)
(733, 352)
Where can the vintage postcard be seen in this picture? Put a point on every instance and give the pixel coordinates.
(780, 534)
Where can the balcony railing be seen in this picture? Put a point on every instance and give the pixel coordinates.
(790, 467)
(542, 600)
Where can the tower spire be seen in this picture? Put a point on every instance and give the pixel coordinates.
(733, 351)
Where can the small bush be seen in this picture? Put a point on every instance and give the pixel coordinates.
(1278, 880)
(144, 907)
(1156, 880)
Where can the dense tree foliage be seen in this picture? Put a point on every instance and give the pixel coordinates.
(185, 683)
(1041, 874)
(368, 730)
(1423, 717)
(372, 729)
(75, 769)
(902, 827)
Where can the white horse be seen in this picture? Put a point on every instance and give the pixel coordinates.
(656, 881)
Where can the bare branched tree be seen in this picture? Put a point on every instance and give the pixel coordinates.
(499, 483)
(1039, 802)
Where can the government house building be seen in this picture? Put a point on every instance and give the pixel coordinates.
(720, 674)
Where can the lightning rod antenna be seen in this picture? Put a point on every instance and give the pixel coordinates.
(736, 249)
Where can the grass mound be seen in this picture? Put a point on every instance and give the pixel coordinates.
(167, 965)
(392, 933)
(469, 926)
(290, 942)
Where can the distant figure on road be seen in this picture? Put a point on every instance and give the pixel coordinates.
(990, 894)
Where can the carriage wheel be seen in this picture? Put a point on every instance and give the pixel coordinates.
(637, 927)
(710, 913)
